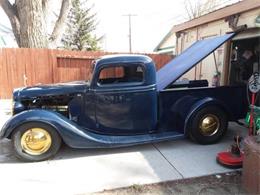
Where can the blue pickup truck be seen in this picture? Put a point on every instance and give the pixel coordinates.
(137, 106)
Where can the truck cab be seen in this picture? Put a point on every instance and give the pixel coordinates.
(124, 92)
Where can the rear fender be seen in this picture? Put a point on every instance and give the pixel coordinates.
(202, 103)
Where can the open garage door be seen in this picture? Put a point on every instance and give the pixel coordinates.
(245, 56)
(248, 34)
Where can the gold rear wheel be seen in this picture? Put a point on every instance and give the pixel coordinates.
(209, 125)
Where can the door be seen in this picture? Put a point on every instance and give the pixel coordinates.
(124, 104)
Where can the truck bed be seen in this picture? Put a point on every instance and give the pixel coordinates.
(175, 104)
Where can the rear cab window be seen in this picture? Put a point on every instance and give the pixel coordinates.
(132, 74)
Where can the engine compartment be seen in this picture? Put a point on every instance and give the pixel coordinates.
(58, 104)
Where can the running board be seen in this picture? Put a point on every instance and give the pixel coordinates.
(109, 141)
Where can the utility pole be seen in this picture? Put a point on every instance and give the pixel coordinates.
(130, 30)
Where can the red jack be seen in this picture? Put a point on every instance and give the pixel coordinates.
(234, 157)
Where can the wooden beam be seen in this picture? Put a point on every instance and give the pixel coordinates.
(240, 7)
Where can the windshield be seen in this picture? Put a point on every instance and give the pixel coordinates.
(91, 72)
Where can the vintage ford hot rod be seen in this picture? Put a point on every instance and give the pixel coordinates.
(137, 106)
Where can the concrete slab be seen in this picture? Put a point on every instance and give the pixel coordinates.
(194, 160)
(79, 171)
(5, 110)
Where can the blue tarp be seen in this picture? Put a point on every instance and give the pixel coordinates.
(188, 59)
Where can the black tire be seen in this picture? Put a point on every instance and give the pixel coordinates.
(25, 156)
(195, 131)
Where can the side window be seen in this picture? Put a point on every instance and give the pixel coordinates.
(121, 74)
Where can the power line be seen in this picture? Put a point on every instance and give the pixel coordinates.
(130, 30)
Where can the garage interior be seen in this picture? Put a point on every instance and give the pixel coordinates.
(245, 57)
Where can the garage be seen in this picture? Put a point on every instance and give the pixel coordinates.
(232, 63)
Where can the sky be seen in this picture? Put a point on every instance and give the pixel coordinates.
(152, 21)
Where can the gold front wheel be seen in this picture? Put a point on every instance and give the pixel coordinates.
(36, 141)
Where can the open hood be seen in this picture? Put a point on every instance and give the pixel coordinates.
(188, 59)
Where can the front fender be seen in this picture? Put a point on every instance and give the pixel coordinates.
(203, 103)
(72, 134)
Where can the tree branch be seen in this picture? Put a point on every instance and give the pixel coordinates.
(60, 23)
(11, 12)
(8, 8)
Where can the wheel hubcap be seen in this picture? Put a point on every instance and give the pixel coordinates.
(209, 125)
(36, 141)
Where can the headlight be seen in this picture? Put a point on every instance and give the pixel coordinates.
(17, 107)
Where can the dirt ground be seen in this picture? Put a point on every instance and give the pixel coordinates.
(222, 184)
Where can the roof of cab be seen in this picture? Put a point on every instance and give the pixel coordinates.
(124, 58)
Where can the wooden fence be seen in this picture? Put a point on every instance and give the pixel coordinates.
(21, 67)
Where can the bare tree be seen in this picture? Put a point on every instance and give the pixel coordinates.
(197, 8)
(28, 21)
